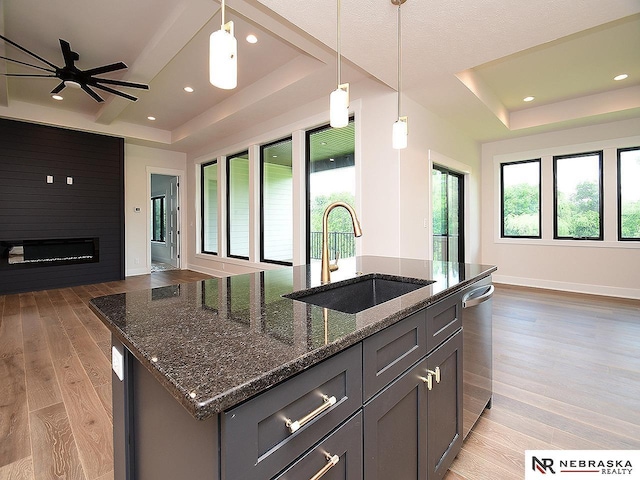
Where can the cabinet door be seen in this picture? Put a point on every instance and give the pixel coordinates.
(395, 429)
(444, 406)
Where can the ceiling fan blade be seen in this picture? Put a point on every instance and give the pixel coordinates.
(28, 52)
(116, 92)
(27, 64)
(58, 89)
(105, 69)
(91, 93)
(29, 75)
(121, 83)
(69, 56)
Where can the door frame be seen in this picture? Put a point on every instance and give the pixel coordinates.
(182, 218)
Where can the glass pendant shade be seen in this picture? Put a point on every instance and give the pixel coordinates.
(400, 132)
(223, 58)
(339, 107)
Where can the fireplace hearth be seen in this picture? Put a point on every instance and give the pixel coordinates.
(40, 253)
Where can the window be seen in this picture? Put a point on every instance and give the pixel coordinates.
(276, 203)
(331, 177)
(578, 196)
(448, 215)
(158, 219)
(629, 193)
(209, 207)
(520, 199)
(238, 205)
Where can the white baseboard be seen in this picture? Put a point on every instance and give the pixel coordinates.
(209, 271)
(132, 272)
(605, 290)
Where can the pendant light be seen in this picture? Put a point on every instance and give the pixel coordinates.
(223, 56)
(339, 98)
(400, 130)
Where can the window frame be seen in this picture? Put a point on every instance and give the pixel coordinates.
(307, 182)
(619, 193)
(202, 222)
(228, 205)
(262, 149)
(502, 165)
(600, 155)
(163, 221)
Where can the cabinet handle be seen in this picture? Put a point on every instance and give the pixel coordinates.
(332, 460)
(430, 374)
(327, 402)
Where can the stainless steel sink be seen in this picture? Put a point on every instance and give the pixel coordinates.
(353, 296)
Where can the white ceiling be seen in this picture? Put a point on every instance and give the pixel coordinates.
(470, 62)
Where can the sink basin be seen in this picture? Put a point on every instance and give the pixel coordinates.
(363, 293)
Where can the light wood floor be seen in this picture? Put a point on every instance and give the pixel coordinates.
(566, 376)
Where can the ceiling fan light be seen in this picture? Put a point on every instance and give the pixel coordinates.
(400, 133)
(72, 84)
(339, 106)
(223, 58)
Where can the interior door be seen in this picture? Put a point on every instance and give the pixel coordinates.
(448, 214)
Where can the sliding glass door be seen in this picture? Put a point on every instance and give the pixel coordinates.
(448, 214)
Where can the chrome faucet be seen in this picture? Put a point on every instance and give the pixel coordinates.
(325, 275)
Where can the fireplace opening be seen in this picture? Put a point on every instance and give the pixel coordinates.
(59, 251)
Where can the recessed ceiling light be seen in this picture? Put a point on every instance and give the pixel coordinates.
(251, 38)
(57, 97)
(528, 99)
(622, 76)
(151, 118)
(332, 159)
(188, 89)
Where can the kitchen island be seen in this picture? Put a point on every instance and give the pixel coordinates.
(216, 379)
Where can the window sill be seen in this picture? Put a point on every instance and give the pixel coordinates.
(547, 242)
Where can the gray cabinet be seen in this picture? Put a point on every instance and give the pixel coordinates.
(265, 434)
(413, 428)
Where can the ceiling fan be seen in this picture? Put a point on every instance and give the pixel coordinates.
(72, 76)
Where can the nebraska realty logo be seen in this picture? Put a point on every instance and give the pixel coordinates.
(582, 464)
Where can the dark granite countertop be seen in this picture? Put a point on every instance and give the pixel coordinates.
(217, 342)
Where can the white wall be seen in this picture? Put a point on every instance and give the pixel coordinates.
(139, 163)
(392, 187)
(608, 267)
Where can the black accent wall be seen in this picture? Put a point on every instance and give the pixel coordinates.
(32, 209)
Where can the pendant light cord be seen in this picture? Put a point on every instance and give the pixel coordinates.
(222, 13)
(338, 46)
(399, 56)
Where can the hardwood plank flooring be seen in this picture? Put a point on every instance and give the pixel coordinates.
(55, 381)
(566, 376)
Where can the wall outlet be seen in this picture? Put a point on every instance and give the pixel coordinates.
(136, 261)
(49, 178)
(69, 180)
(117, 362)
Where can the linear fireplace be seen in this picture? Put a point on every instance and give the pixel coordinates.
(39, 253)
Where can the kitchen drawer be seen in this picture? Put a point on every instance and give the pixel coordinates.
(345, 444)
(443, 319)
(391, 351)
(255, 439)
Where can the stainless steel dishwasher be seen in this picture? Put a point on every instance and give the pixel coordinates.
(477, 351)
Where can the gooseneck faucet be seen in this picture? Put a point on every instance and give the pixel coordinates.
(325, 275)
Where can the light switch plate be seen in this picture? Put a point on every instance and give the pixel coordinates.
(49, 178)
(117, 362)
(69, 180)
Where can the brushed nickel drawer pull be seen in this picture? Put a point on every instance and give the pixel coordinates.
(428, 379)
(332, 460)
(327, 402)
